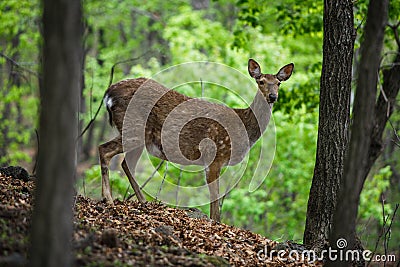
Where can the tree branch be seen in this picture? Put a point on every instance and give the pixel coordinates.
(13, 62)
(396, 32)
(396, 142)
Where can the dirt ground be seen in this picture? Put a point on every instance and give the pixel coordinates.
(133, 234)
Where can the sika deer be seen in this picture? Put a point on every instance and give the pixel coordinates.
(177, 128)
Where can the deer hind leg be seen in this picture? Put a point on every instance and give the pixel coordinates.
(213, 186)
(133, 157)
(106, 152)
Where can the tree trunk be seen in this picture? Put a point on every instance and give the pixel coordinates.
(357, 161)
(88, 144)
(383, 110)
(82, 105)
(334, 114)
(59, 91)
(14, 79)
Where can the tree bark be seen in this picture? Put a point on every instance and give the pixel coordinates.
(59, 91)
(334, 114)
(357, 163)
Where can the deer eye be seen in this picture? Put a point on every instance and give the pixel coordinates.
(261, 82)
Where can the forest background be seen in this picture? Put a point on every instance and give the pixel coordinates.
(160, 34)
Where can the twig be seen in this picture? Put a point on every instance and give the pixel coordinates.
(91, 97)
(179, 183)
(84, 185)
(395, 134)
(90, 122)
(385, 219)
(12, 61)
(152, 175)
(388, 232)
(125, 61)
(162, 182)
(390, 65)
(126, 192)
(109, 84)
(395, 32)
(359, 26)
(145, 13)
(202, 88)
(382, 231)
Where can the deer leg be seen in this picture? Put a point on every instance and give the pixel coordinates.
(213, 186)
(133, 156)
(106, 152)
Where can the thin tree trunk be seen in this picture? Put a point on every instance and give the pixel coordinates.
(59, 91)
(383, 110)
(82, 105)
(357, 161)
(14, 79)
(88, 144)
(334, 114)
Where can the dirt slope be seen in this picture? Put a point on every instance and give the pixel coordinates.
(131, 234)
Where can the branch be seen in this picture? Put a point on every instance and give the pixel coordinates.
(396, 32)
(384, 230)
(146, 13)
(13, 62)
(396, 142)
(109, 84)
(126, 61)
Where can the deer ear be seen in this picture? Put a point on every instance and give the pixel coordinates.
(285, 72)
(254, 69)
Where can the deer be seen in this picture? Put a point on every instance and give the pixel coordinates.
(205, 137)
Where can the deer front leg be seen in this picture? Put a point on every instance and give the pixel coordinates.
(213, 186)
(106, 152)
(133, 157)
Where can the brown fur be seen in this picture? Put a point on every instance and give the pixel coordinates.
(205, 126)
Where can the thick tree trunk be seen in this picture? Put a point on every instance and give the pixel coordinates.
(357, 161)
(59, 91)
(334, 117)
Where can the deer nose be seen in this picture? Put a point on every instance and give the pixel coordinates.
(272, 97)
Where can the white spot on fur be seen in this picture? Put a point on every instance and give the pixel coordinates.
(108, 101)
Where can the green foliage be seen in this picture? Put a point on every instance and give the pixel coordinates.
(299, 18)
(376, 205)
(191, 36)
(19, 40)
(278, 207)
(90, 184)
(370, 198)
(164, 33)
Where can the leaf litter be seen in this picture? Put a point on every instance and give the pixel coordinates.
(132, 234)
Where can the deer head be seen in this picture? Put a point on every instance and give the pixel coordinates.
(268, 84)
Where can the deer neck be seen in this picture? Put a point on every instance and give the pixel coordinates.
(256, 117)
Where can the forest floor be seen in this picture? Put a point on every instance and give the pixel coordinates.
(133, 234)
